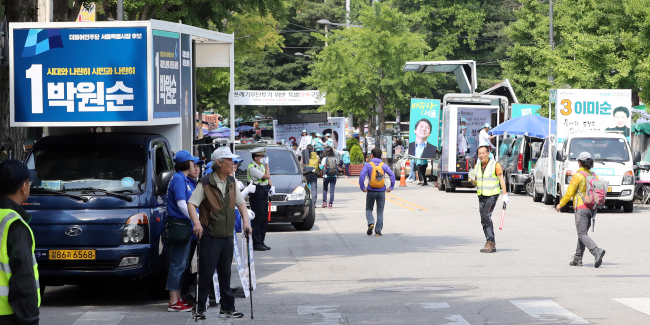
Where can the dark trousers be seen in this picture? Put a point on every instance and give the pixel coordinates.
(260, 205)
(422, 170)
(486, 205)
(347, 169)
(329, 181)
(371, 198)
(215, 253)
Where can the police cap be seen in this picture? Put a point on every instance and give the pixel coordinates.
(258, 152)
(12, 175)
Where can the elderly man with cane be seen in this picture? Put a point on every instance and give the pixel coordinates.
(216, 195)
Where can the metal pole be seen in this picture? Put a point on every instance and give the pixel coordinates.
(347, 13)
(120, 9)
(232, 92)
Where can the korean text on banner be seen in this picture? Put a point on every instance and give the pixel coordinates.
(475, 118)
(424, 128)
(335, 126)
(279, 97)
(593, 110)
(80, 75)
(166, 74)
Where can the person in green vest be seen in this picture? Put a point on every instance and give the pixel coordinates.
(20, 295)
(487, 177)
(259, 174)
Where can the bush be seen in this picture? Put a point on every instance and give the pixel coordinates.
(356, 156)
(351, 142)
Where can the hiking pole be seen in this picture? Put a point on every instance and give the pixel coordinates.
(250, 278)
(196, 305)
(503, 215)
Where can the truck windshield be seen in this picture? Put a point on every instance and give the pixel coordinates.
(606, 149)
(116, 168)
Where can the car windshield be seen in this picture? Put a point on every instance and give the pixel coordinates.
(281, 162)
(606, 149)
(115, 168)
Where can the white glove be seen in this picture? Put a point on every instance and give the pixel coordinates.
(506, 199)
(266, 160)
(251, 214)
(472, 174)
(240, 185)
(251, 188)
(272, 191)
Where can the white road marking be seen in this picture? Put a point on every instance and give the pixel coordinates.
(431, 305)
(543, 208)
(100, 318)
(346, 211)
(328, 312)
(547, 310)
(640, 304)
(456, 320)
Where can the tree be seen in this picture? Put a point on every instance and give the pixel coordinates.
(362, 67)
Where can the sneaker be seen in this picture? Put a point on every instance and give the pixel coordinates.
(324, 205)
(259, 247)
(330, 206)
(577, 261)
(370, 228)
(178, 306)
(377, 233)
(267, 247)
(231, 313)
(199, 315)
(186, 303)
(490, 247)
(599, 257)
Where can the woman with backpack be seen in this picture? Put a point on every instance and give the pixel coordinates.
(585, 191)
(329, 164)
(312, 179)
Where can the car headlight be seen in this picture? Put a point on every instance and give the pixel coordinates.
(136, 229)
(298, 194)
(628, 178)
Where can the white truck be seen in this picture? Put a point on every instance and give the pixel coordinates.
(613, 162)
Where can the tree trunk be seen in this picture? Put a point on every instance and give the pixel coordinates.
(371, 125)
(362, 129)
(17, 11)
(382, 115)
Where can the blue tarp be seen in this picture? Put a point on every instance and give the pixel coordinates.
(530, 125)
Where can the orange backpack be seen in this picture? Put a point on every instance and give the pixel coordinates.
(377, 175)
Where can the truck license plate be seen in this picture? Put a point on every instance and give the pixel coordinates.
(274, 208)
(72, 254)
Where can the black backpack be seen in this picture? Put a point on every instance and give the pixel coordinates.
(330, 167)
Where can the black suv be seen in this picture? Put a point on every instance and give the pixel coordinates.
(292, 200)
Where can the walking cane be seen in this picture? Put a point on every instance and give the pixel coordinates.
(196, 305)
(250, 278)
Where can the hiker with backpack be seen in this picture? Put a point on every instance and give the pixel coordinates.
(329, 164)
(588, 193)
(376, 190)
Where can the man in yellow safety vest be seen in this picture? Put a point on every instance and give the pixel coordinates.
(19, 287)
(487, 177)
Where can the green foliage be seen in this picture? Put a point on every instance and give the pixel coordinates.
(356, 156)
(351, 142)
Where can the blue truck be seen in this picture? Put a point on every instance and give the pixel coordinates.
(98, 205)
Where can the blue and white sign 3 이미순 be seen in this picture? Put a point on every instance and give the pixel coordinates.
(80, 75)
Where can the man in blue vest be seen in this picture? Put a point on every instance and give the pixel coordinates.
(487, 177)
(19, 287)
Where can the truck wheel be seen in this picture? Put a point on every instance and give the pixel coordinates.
(547, 199)
(441, 183)
(628, 206)
(536, 197)
(309, 219)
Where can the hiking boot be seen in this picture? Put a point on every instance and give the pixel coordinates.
(599, 257)
(259, 247)
(490, 247)
(577, 261)
(370, 228)
(378, 233)
(230, 314)
(324, 205)
(178, 306)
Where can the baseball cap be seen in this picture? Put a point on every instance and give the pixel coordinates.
(183, 156)
(12, 174)
(223, 152)
(304, 130)
(314, 131)
(327, 135)
(208, 165)
(486, 125)
(584, 156)
(236, 160)
(463, 120)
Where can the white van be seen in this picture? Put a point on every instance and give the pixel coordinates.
(613, 162)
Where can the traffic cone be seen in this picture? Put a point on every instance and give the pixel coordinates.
(402, 178)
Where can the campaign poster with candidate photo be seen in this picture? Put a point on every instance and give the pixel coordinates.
(593, 110)
(424, 128)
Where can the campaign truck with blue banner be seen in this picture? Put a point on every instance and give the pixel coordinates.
(115, 101)
(596, 121)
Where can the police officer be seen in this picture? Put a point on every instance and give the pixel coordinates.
(487, 177)
(259, 174)
(19, 287)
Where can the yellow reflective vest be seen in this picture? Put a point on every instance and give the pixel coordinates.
(487, 181)
(259, 181)
(7, 217)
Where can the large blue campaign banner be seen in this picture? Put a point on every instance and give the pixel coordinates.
(167, 74)
(424, 128)
(80, 75)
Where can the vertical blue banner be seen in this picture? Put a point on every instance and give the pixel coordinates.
(424, 128)
(166, 74)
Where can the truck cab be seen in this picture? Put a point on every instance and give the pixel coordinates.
(98, 205)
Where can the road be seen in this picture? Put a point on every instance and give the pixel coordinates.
(426, 269)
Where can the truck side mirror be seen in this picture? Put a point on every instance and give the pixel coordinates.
(308, 171)
(163, 182)
(559, 156)
(637, 157)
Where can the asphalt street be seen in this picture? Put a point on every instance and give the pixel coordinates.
(425, 269)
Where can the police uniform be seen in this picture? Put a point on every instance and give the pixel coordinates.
(259, 200)
(488, 190)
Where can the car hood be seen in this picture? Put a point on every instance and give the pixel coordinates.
(287, 183)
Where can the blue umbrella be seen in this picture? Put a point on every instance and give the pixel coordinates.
(530, 125)
(244, 128)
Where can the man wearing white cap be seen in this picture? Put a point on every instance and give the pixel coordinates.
(484, 138)
(216, 196)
